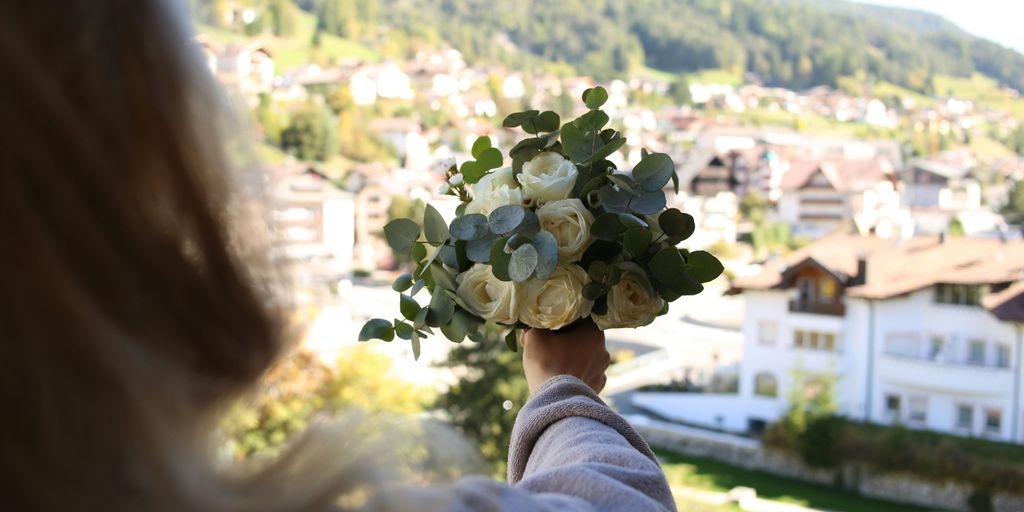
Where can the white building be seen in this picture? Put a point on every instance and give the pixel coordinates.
(926, 333)
(314, 224)
(819, 197)
(380, 81)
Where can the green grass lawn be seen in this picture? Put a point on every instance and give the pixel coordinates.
(982, 89)
(707, 474)
(297, 49)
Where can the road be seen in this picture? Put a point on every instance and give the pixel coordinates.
(663, 350)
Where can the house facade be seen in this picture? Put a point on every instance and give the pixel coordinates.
(821, 196)
(925, 333)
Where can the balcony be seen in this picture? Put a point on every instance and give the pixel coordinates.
(817, 308)
(944, 377)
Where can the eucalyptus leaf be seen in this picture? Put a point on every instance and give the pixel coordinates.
(479, 250)
(458, 327)
(648, 203)
(518, 118)
(480, 145)
(607, 226)
(448, 256)
(489, 159)
(377, 329)
(547, 121)
(547, 254)
(506, 219)
(605, 151)
(499, 260)
(402, 283)
(575, 143)
(421, 318)
(595, 97)
(461, 258)
(613, 200)
(408, 306)
(600, 250)
(403, 330)
(415, 341)
(636, 239)
(677, 225)
(654, 171)
(591, 123)
(401, 234)
(592, 185)
(614, 275)
(442, 278)
(472, 172)
(440, 309)
(512, 340)
(469, 227)
(623, 182)
(632, 221)
(597, 270)
(703, 266)
(418, 252)
(522, 263)
(434, 226)
(417, 286)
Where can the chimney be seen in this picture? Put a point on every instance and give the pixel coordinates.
(862, 270)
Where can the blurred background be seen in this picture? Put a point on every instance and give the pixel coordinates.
(857, 167)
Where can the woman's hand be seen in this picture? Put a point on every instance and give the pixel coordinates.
(579, 352)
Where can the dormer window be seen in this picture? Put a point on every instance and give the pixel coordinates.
(961, 294)
(827, 291)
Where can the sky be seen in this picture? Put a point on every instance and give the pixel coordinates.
(1001, 21)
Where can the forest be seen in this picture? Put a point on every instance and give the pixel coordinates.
(791, 43)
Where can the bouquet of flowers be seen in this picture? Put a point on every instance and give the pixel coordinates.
(559, 236)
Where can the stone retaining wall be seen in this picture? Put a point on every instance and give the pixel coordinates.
(750, 454)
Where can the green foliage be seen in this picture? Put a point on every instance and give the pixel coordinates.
(312, 134)
(301, 386)
(754, 207)
(489, 374)
(1014, 208)
(956, 227)
(679, 91)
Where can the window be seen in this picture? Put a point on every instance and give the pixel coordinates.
(993, 421)
(892, 406)
(976, 352)
(767, 332)
(830, 342)
(765, 384)
(805, 290)
(815, 340)
(963, 294)
(827, 290)
(1002, 356)
(918, 409)
(935, 347)
(965, 417)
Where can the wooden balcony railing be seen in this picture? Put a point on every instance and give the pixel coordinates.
(817, 308)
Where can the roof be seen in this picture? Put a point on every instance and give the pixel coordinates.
(844, 175)
(897, 267)
(1008, 304)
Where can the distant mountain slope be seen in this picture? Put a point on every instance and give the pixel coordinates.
(796, 43)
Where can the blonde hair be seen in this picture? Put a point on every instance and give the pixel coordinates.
(129, 318)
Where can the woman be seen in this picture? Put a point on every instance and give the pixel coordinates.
(133, 315)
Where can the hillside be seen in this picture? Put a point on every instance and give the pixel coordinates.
(794, 43)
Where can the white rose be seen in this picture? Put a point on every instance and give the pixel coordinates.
(487, 296)
(494, 190)
(632, 302)
(548, 177)
(554, 302)
(569, 221)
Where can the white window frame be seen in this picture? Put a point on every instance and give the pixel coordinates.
(956, 417)
(765, 327)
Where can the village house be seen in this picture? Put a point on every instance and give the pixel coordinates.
(925, 332)
(821, 196)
